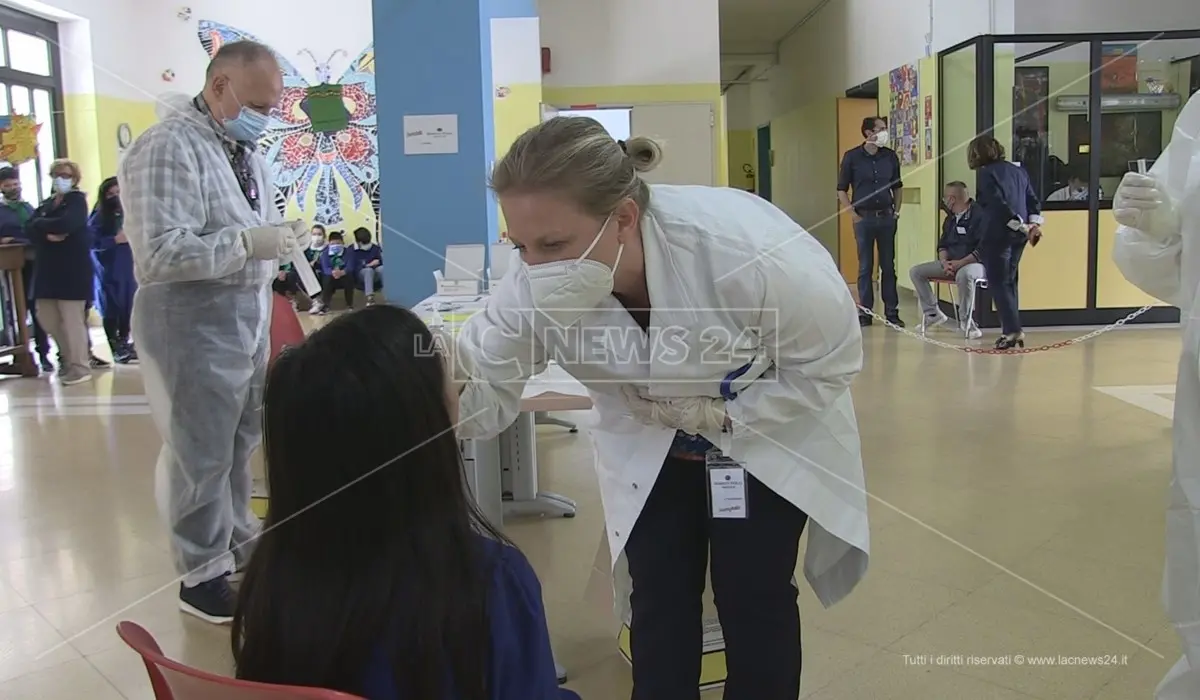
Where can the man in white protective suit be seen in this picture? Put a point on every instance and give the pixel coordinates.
(207, 240)
(1158, 249)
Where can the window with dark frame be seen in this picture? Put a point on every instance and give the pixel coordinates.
(31, 84)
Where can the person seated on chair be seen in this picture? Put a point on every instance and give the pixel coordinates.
(313, 255)
(1076, 190)
(336, 272)
(368, 264)
(376, 574)
(958, 259)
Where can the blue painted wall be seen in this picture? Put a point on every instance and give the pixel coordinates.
(432, 57)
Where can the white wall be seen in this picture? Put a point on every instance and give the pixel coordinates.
(852, 41)
(630, 42)
(132, 42)
(1034, 16)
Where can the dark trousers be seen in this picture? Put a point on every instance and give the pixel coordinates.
(287, 286)
(41, 342)
(871, 233)
(329, 285)
(1001, 261)
(118, 312)
(753, 562)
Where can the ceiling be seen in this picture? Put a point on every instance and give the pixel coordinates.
(751, 31)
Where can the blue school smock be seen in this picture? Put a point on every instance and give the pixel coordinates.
(521, 665)
(117, 282)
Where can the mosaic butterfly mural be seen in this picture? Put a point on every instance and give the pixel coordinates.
(323, 135)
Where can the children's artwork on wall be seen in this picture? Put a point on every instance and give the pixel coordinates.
(18, 138)
(929, 127)
(904, 119)
(322, 137)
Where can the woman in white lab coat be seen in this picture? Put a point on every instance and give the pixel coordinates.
(696, 316)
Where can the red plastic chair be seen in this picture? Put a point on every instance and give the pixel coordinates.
(285, 325)
(172, 680)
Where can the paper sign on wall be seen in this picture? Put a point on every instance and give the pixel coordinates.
(430, 134)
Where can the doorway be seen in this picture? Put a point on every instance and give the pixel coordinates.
(615, 120)
(764, 162)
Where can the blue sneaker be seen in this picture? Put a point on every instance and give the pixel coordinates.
(212, 601)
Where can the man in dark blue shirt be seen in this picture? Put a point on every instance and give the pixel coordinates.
(869, 186)
(959, 259)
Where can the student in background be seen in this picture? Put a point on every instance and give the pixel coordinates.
(64, 282)
(336, 269)
(420, 597)
(313, 255)
(15, 212)
(368, 264)
(117, 283)
(287, 282)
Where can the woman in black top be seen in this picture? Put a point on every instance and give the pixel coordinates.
(64, 281)
(1012, 216)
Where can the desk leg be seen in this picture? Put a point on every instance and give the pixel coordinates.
(481, 461)
(518, 454)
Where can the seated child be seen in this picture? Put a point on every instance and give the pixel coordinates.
(375, 574)
(287, 282)
(337, 272)
(368, 264)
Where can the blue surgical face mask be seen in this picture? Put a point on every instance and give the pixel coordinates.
(335, 248)
(248, 125)
(63, 185)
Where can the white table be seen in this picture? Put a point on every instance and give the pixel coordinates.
(502, 472)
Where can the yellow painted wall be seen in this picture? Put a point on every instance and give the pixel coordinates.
(519, 111)
(920, 216)
(741, 154)
(607, 95)
(1054, 274)
(512, 115)
(804, 177)
(83, 144)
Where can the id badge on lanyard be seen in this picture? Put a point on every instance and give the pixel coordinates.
(726, 482)
(727, 493)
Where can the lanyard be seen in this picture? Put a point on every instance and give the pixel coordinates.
(238, 154)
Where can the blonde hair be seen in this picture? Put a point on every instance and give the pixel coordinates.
(577, 157)
(71, 165)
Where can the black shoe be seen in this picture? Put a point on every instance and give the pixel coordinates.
(894, 319)
(212, 601)
(865, 320)
(1008, 342)
(97, 363)
(45, 364)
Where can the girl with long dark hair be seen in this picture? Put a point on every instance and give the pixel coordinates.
(117, 283)
(375, 574)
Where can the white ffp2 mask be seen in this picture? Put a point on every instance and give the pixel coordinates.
(565, 290)
(882, 138)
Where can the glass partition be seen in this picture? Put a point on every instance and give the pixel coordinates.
(957, 84)
(1144, 86)
(1049, 123)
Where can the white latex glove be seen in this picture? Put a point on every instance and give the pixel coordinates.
(269, 242)
(1140, 202)
(301, 232)
(693, 415)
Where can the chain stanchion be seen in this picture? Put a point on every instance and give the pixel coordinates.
(970, 349)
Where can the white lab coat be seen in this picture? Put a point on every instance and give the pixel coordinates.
(1166, 264)
(723, 267)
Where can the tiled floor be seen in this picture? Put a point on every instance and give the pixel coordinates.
(1017, 509)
